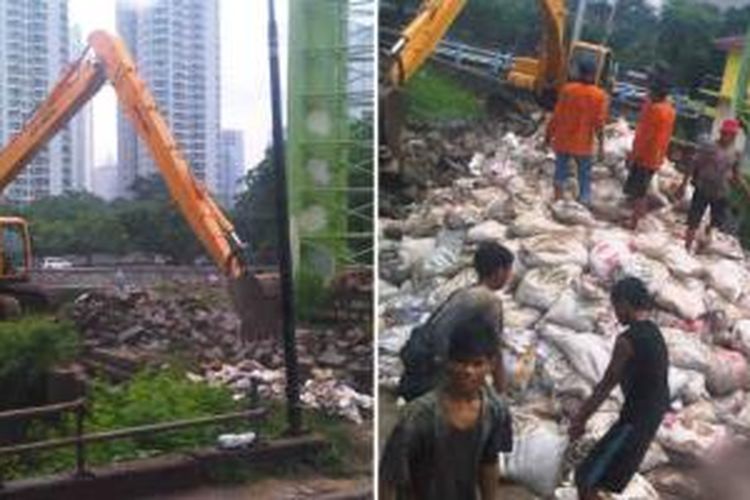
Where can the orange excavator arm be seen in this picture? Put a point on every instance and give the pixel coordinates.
(554, 55)
(421, 36)
(547, 71)
(203, 215)
(109, 60)
(77, 85)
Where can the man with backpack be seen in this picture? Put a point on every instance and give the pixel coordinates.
(426, 351)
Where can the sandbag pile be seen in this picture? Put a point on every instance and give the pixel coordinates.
(559, 324)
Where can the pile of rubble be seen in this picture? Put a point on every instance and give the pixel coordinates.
(560, 328)
(428, 160)
(335, 364)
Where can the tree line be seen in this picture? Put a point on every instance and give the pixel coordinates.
(681, 35)
(83, 224)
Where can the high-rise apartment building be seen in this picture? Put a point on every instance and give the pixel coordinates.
(34, 49)
(231, 166)
(176, 47)
(81, 129)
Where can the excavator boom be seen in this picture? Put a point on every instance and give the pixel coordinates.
(542, 76)
(78, 84)
(420, 38)
(107, 59)
(210, 225)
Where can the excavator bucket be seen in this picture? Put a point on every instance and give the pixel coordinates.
(255, 298)
(391, 104)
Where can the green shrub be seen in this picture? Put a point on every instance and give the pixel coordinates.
(29, 348)
(149, 398)
(152, 397)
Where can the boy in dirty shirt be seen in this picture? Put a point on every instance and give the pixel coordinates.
(446, 443)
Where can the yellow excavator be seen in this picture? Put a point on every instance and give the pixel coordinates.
(542, 75)
(106, 59)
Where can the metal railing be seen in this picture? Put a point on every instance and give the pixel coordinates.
(493, 63)
(80, 440)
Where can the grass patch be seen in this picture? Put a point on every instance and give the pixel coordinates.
(432, 95)
(149, 398)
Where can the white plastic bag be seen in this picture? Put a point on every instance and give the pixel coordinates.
(536, 460)
(607, 257)
(572, 213)
(686, 350)
(486, 231)
(727, 372)
(683, 298)
(553, 250)
(541, 287)
(534, 223)
(727, 277)
(588, 354)
(572, 312)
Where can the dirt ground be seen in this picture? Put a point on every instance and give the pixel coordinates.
(277, 489)
(355, 480)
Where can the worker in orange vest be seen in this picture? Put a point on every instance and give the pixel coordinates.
(579, 118)
(652, 137)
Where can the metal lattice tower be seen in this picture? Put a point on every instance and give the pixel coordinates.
(331, 75)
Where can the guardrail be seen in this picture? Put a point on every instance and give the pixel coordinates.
(80, 440)
(492, 62)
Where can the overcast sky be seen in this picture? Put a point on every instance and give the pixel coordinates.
(245, 97)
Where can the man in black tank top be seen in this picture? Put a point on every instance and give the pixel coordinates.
(640, 364)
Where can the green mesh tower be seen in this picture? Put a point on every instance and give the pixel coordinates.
(330, 181)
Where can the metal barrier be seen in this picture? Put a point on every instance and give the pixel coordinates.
(490, 63)
(80, 439)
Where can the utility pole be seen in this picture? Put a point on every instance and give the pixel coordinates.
(294, 412)
(578, 26)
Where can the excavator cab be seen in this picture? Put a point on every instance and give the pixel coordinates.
(15, 250)
(600, 56)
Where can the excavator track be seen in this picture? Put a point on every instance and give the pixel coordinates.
(23, 298)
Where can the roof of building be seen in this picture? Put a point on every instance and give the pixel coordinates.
(730, 43)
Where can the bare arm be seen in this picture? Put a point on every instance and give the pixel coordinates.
(601, 122)
(387, 491)
(489, 477)
(690, 165)
(498, 374)
(622, 353)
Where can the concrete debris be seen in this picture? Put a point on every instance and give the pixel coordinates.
(560, 326)
(322, 391)
(336, 368)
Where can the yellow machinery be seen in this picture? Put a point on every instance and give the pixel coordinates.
(542, 75)
(107, 59)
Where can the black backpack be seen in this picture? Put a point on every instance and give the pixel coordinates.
(420, 359)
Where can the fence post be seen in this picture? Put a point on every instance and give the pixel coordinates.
(80, 451)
